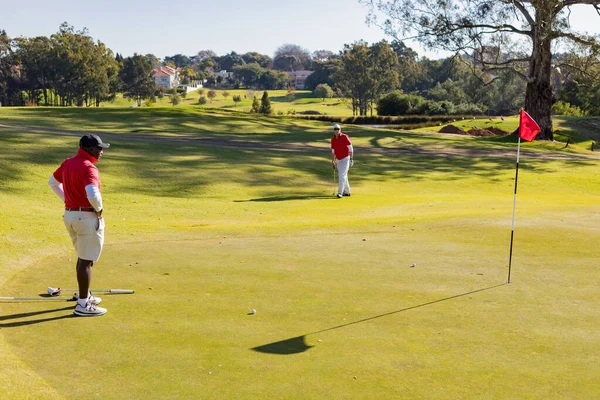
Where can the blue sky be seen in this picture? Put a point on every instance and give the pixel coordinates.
(165, 28)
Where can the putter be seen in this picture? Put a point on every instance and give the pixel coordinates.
(56, 291)
(333, 194)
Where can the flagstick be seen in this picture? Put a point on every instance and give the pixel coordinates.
(512, 233)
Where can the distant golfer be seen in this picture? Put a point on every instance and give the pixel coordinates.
(341, 158)
(77, 183)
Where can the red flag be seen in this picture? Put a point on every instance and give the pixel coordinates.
(528, 128)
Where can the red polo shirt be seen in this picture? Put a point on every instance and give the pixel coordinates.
(340, 146)
(75, 174)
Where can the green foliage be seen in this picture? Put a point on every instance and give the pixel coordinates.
(566, 109)
(225, 94)
(323, 91)
(175, 99)
(211, 95)
(367, 72)
(136, 75)
(398, 103)
(69, 68)
(236, 98)
(265, 104)
(202, 100)
(255, 105)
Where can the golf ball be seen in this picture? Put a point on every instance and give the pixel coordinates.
(253, 311)
(413, 265)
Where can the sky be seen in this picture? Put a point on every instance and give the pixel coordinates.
(166, 28)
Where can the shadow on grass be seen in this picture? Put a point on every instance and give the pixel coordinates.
(286, 198)
(183, 166)
(33, 314)
(298, 344)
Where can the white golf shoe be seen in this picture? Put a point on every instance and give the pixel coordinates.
(90, 310)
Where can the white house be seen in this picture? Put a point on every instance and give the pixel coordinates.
(166, 76)
(299, 77)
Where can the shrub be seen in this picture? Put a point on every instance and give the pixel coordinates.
(564, 108)
(265, 104)
(398, 103)
(255, 105)
(323, 91)
(202, 100)
(211, 95)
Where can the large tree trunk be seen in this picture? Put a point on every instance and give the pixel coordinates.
(539, 97)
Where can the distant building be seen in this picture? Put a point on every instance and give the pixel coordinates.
(166, 76)
(298, 78)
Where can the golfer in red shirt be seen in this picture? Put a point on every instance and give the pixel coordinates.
(341, 153)
(77, 183)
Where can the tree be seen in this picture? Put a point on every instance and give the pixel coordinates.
(322, 55)
(292, 50)
(265, 104)
(225, 94)
(138, 83)
(255, 105)
(236, 99)
(287, 62)
(490, 31)
(261, 59)
(6, 65)
(211, 95)
(178, 60)
(324, 91)
(228, 61)
(204, 54)
(248, 74)
(324, 72)
(366, 73)
(273, 80)
(174, 99)
(202, 100)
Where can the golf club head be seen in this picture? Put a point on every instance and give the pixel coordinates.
(53, 291)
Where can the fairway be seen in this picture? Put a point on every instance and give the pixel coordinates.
(206, 230)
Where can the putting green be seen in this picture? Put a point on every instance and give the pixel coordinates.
(326, 305)
(206, 234)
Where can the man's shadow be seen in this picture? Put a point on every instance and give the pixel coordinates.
(32, 314)
(298, 344)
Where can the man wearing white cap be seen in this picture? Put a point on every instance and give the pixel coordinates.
(77, 183)
(342, 159)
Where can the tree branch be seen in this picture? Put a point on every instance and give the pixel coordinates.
(577, 39)
(521, 7)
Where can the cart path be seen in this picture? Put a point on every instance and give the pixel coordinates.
(413, 150)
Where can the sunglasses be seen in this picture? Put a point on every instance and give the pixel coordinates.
(336, 129)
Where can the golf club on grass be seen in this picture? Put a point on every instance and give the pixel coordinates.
(37, 299)
(56, 291)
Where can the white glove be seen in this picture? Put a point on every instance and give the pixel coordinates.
(351, 162)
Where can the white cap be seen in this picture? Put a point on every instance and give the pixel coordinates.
(336, 126)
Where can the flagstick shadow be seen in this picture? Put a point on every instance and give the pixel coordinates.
(298, 344)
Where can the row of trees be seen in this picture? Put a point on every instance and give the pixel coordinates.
(67, 69)
(516, 36)
(493, 70)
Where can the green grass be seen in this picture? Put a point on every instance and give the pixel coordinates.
(303, 101)
(579, 131)
(204, 234)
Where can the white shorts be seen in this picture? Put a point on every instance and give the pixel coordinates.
(87, 233)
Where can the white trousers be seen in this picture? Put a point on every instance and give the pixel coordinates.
(343, 166)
